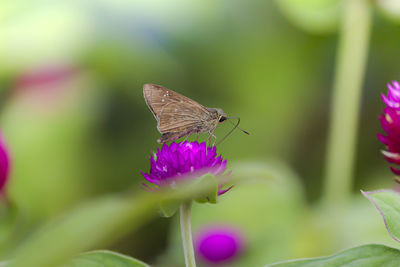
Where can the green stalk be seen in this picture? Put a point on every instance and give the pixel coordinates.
(349, 74)
(186, 233)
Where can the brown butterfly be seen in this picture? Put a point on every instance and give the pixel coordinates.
(179, 116)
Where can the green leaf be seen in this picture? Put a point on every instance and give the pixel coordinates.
(388, 204)
(94, 224)
(371, 255)
(168, 207)
(8, 222)
(212, 194)
(105, 258)
(267, 204)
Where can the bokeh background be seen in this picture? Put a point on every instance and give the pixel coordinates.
(73, 113)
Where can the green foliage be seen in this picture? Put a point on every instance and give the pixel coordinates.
(104, 258)
(364, 256)
(8, 222)
(168, 208)
(211, 196)
(316, 16)
(390, 9)
(266, 204)
(96, 223)
(388, 204)
(48, 176)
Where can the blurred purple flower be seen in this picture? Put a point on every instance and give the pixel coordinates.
(187, 160)
(390, 121)
(46, 87)
(43, 76)
(4, 164)
(219, 244)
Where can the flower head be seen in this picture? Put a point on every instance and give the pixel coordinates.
(390, 121)
(4, 164)
(182, 161)
(219, 244)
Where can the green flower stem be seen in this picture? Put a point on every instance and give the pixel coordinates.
(349, 73)
(186, 233)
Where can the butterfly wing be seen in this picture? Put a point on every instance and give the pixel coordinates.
(174, 112)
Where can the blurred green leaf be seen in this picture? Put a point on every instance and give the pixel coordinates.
(316, 16)
(96, 223)
(105, 258)
(390, 9)
(168, 207)
(266, 204)
(388, 204)
(43, 185)
(211, 196)
(364, 256)
(8, 219)
(285, 227)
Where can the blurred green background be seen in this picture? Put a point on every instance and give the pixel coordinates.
(73, 113)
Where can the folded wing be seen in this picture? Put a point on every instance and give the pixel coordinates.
(174, 112)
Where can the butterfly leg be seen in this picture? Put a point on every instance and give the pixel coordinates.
(209, 138)
(187, 136)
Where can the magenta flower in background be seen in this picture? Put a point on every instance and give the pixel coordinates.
(176, 162)
(45, 75)
(390, 121)
(219, 244)
(4, 164)
(47, 86)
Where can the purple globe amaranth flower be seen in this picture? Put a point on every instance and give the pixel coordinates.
(4, 164)
(390, 121)
(219, 244)
(187, 160)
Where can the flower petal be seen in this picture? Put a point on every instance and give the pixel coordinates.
(186, 160)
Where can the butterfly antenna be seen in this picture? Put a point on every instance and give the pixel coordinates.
(235, 126)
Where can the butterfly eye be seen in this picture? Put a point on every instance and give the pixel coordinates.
(222, 119)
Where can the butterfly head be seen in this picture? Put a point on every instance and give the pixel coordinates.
(221, 115)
